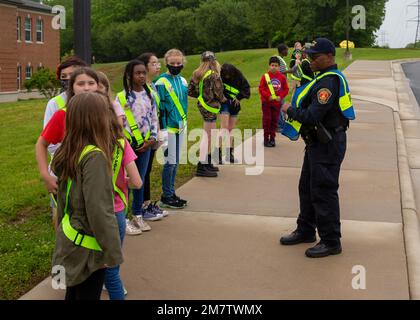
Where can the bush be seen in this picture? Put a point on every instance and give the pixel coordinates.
(45, 81)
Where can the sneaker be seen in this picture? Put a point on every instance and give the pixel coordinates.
(140, 223)
(166, 202)
(267, 143)
(125, 290)
(273, 142)
(150, 215)
(158, 210)
(184, 202)
(132, 229)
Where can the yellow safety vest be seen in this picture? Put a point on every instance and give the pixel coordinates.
(61, 103)
(177, 104)
(270, 86)
(292, 128)
(72, 234)
(131, 122)
(232, 91)
(201, 98)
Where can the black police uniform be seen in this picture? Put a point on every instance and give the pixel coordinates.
(318, 185)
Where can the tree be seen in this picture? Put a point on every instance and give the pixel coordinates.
(221, 26)
(268, 17)
(45, 81)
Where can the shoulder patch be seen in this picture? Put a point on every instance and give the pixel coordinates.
(324, 95)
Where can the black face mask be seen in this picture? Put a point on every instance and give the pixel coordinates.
(64, 84)
(175, 70)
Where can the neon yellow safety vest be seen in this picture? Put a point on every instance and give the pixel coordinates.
(116, 167)
(201, 98)
(61, 103)
(155, 95)
(131, 122)
(292, 128)
(79, 239)
(233, 92)
(177, 104)
(301, 74)
(270, 86)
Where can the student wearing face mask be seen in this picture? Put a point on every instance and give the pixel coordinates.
(173, 93)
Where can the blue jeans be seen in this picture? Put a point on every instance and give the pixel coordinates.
(138, 194)
(172, 155)
(113, 281)
(281, 121)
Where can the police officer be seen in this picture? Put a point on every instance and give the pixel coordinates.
(324, 117)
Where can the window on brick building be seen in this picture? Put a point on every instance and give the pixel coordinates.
(28, 29)
(40, 67)
(18, 24)
(19, 77)
(28, 72)
(39, 30)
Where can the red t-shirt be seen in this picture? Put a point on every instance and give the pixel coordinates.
(54, 131)
(280, 86)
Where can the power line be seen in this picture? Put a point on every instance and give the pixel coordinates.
(417, 20)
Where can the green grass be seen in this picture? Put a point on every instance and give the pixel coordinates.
(26, 234)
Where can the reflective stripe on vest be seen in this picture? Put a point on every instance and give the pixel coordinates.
(201, 98)
(116, 166)
(72, 234)
(291, 128)
(270, 86)
(300, 74)
(61, 103)
(233, 92)
(131, 122)
(177, 104)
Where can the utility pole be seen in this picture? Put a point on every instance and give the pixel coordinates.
(347, 53)
(417, 20)
(82, 34)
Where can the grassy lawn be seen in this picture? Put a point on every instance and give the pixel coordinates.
(26, 234)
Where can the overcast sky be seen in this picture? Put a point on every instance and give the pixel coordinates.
(398, 31)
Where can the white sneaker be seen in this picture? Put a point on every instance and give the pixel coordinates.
(132, 229)
(140, 223)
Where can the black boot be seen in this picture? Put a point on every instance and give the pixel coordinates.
(231, 156)
(203, 171)
(324, 249)
(297, 237)
(210, 165)
(218, 152)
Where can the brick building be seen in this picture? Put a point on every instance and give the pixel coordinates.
(28, 42)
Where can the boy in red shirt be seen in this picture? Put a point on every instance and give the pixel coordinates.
(273, 89)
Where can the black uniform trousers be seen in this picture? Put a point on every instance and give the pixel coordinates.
(318, 189)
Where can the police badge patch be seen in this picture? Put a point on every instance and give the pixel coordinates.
(324, 95)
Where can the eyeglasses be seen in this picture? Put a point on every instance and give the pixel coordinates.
(155, 64)
(314, 56)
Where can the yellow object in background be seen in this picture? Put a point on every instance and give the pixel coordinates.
(343, 44)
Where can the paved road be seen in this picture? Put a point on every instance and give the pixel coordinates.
(412, 71)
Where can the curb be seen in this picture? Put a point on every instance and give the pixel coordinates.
(411, 225)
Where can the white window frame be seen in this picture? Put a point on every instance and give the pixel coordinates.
(19, 77)
(30, 29)
(28, 67)
(19, 28)
(40, 31)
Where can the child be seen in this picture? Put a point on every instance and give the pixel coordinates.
(236, 88)
(87, 239)
(207, 86)
(64, 71)
(152, 64)
(273, 88)
(124, 160)
(135, 105)
(82, 80)
(283, 51)
(172, 89)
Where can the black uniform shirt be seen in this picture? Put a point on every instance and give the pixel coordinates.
(321, 104)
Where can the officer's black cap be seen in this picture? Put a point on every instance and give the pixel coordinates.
(321, 45)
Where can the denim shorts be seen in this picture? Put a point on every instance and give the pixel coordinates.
(225, 109)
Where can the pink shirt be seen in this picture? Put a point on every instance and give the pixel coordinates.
(128, 157)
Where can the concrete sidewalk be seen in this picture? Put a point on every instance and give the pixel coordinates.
(225, 245)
